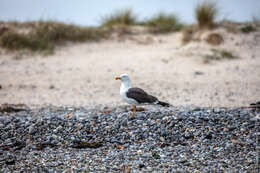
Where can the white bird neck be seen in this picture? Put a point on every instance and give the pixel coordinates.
(125, 85)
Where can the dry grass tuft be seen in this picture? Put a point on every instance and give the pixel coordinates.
(122, 17)
(206, 13)
(219, 55)
(59, 32)
(163, 23)
(215, 39)
(16, 41)
(43, 36)
(248, 28)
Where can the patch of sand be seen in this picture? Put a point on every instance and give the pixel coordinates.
(83, 74)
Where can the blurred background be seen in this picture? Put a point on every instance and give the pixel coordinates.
(90, 12)
(188, 52)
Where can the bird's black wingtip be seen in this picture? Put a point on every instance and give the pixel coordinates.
(164, 104)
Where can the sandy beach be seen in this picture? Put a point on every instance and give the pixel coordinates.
(83, 74)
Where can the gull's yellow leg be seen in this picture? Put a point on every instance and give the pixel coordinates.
(134, 111)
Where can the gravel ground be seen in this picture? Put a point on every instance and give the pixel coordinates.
(175, 139)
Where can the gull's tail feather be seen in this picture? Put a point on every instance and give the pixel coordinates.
(163, 104)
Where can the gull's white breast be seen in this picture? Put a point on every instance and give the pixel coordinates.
(123, 91)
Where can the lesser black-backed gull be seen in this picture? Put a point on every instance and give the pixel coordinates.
(136, 96)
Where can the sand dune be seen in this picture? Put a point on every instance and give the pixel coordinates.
(83, 74)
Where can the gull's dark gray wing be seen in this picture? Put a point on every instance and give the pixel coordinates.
(140, 95)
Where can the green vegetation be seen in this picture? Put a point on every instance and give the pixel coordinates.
(220, 54)
(160, 23)
(59, 32)
(43, 36)
(206, 13)
(163, 23)
(122, 17)
(15, 41)
(226, 54)
(248, 29)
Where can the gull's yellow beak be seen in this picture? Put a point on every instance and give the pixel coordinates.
(117, 78)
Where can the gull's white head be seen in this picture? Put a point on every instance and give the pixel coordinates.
(123, 78)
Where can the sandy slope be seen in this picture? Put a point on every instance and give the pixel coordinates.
(82, 74)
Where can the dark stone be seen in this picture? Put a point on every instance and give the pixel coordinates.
(43, 145)
(232, 128)
(141, 165)
(188, 136)
(10, 161)
(198, 73)
(85, 144)
(51, 87)
(19, 145)
(208, 136)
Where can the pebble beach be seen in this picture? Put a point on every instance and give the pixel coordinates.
(110, 139)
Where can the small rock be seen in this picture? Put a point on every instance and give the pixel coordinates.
(85, 144)
(10, 161)
(208, 136)
(32, 130)
(198, 73)
(141, 165)
(162, 139)
(139, 122)
(51, 87)
(165, 61)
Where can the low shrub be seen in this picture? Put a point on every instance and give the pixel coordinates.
(122, 17)
(206, 13)
(163, 23)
